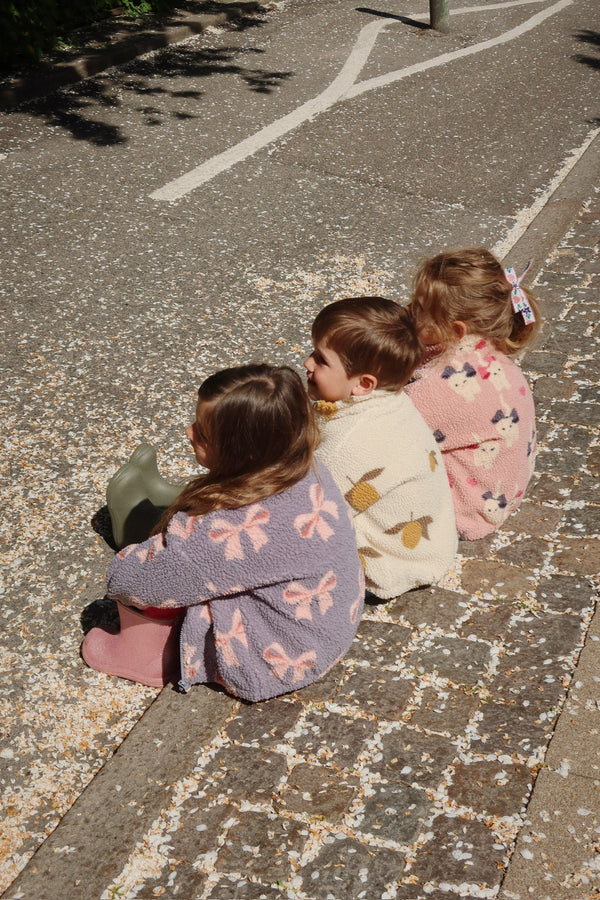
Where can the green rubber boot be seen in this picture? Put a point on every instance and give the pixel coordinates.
(137, 495)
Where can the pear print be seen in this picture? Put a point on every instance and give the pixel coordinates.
(433, 463)
(362, 494)
(411, 532)
(367, 551)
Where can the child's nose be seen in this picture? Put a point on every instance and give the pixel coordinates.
(189, 432)
(308, 364)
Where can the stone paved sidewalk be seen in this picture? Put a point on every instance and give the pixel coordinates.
(408, 772)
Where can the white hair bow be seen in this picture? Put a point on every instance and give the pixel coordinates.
(518, 297)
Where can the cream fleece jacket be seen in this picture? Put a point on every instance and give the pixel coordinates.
(385, 461)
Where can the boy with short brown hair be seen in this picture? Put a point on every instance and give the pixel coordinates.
(377, 446)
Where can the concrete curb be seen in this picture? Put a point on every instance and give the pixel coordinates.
(124, 47)
(135, 783)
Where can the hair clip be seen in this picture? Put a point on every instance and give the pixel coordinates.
(519, 300)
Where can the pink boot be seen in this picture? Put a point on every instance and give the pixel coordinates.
(144, 650)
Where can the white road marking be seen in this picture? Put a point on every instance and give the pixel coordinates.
(525, 217)
(384, 80)
(343, 87)
(336, 90)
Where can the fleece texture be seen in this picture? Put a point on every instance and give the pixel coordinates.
(274, 590)
(386, 463)
(480, 408)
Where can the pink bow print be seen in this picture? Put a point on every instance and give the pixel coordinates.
(189, 651)
(307, 523)
(223, 640)
(280, 662)
(184, 531)
(153, 550)
(222, 530)
(205, 613)
(296, 593)
(124, 553)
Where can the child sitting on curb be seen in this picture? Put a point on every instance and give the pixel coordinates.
(377, 446)
(258, 555)
(473, 316)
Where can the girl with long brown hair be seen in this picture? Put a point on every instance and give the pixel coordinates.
(258, 552)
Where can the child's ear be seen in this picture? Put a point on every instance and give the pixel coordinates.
(366, 384)
(460, 329)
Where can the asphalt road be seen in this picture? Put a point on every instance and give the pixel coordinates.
(117, 301)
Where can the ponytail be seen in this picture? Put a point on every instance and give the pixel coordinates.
(470, 286)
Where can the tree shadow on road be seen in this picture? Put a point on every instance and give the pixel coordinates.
(592, 38)
(94, 110)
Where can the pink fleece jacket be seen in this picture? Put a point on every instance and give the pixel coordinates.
(480, 408)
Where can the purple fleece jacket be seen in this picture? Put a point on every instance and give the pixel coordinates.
(274, 590)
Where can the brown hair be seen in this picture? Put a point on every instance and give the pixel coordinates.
(262, 436)
(371, 335)
(470, 286)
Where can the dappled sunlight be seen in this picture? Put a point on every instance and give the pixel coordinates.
(84, 109)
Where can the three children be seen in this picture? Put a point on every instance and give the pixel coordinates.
(256, 561)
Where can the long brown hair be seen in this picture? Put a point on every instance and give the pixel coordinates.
(371, 334)
(262, 436)
(470, 286)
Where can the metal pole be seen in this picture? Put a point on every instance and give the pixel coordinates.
(439, 16)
